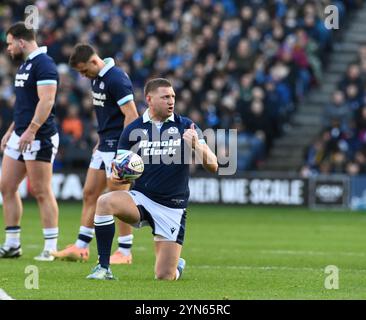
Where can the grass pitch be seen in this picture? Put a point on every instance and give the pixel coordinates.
(231, 253)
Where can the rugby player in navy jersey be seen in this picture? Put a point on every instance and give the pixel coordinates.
(31, 142)
(112, 95)
(159, 197)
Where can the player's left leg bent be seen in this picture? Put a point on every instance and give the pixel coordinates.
(120, 204)
(115, 203)
(123, 254)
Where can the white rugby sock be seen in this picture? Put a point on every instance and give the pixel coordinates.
(50, 239)
(125, 244)
(12, 237)
(85, 236)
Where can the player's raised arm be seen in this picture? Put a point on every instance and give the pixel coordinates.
(202, 151)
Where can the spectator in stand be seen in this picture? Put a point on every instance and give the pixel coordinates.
(257, 122)
(228, 47)
(353, 76)
(72, 125)
(337, 110)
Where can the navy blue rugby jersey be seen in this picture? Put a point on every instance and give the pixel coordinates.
(166, 173)
(111, 89)
(39, 69)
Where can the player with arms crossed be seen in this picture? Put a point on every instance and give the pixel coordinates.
(114, 106)
(31, 142)
(159, 197)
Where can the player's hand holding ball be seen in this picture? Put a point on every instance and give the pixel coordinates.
(126, 167)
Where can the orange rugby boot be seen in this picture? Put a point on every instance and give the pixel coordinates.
(72, 253)
(119, 258)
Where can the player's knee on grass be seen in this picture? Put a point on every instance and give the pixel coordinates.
(165, 274)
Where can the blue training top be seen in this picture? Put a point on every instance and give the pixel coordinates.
(39, 69)
(111, 89)
(166, 173)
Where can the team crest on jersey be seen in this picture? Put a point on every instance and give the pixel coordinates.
(111, 142)
(173, 130)
(29, 66)
(101, 85)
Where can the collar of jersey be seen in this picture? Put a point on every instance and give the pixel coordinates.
(109, 63)
(37, 52)
(146, 117)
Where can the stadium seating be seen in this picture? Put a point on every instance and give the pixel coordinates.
(234, 64)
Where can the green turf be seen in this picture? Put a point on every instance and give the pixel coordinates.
(231, 253)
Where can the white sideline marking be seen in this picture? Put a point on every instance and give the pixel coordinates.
(314, 253)
(4, 295)
(35, 246)
(256, 268)
(285, 268)
(291, 252)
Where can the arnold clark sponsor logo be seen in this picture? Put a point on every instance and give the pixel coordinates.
(153, 148)
(329, 193)
(99, 98)
(20, 78)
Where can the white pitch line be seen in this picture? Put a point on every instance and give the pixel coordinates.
(256, 268)
(4, 295)
(269, 268)
(35, 246)
(290, 252)
(314, 253)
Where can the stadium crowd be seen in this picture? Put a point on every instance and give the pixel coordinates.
(234, 64)
(341, 145)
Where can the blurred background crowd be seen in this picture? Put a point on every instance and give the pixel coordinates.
(234, 64)
(341, 145)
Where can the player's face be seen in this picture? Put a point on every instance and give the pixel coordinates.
(88, 69)
(162, 102)
(14, 47)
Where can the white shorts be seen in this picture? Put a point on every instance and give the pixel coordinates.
(40, 150)
(168, 223)
(102, 161)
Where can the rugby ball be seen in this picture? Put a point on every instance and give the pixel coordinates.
(128, 165)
